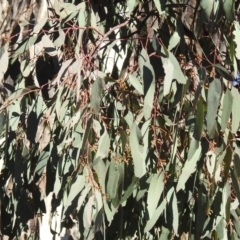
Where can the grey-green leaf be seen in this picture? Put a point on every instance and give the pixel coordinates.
(96, 95)
(137, 150)
(113, 180)
(214, 94)
(188, 169)
(154, 192)
(235, 110)
(227, 109)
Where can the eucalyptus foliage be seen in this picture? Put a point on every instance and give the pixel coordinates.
(119, 120)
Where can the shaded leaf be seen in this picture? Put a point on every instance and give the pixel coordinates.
(188, 169)
(148, 76)
(158, 212)
(214, 93)
(137, 149)
(228, 7)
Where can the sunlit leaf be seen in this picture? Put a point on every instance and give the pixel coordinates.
(154, 193)
(227, 109)
(96, 95)
(235, 110)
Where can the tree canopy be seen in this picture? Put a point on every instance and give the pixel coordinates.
(120, 119)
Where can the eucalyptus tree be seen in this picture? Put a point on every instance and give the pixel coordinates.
(119, 119)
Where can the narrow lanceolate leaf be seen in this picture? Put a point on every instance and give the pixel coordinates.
(199, 119)
(207, 6)
(175, 214)
(170, 63)
(131, 5)
(168, 69)
(96, 95)
(113, 180)
(103, 148)
(154, 193)
(158, 211)
(137, 151)
(236, 34)
(214, 93)
(227, 109)
(148, 76)
(158, 6)
(135, 82)
(235, 110)
(174, 40)
(42, 162)
(188, 169)
(228, 157)
(228, 7)
(3, 60)
(76, 188)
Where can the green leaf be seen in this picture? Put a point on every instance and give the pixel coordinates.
(227, 109)
(235, 183)
(236, 33)
(207, 6)
(37, 28)
(200, 214)
(214, 94)
(158, 212)
(226, 201)
(223, 72)
(228, 157)
(43, 135)
(137, 150)
(235, 110)
(175, 223)
(168, 69)
(49, 46)
(3, 60)
(131, 4)
(113, 180)
(83, 197)
(199, 119)
(14, 115)
(25, 45)
(145, 134)
(229, 7)
(61, 38)
(25, 68)
(164, 233)
(158, 6)
(103, 148)
(129, 190)
(42, 162)
(148, 76)
(135, 82)
(75, 189)
(3, 119)
(172, 71)
(154, 193)
(96, 95)
(174, 41)
(189, 168)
